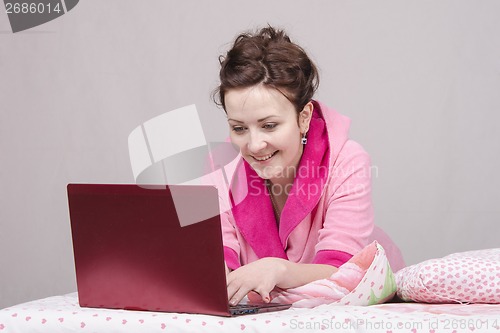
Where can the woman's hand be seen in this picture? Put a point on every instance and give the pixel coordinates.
(263, 275)
(260, 276)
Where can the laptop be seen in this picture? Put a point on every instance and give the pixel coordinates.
(131, 251)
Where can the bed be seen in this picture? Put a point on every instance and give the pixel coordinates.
(431, 297)
(63, 314)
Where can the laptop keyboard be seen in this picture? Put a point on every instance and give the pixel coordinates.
(241, 309)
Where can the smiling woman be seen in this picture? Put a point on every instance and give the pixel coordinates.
(307, 208)
(263, 123)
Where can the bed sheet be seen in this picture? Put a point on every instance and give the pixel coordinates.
(63, 314)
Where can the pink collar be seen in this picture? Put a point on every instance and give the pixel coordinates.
(254, 214)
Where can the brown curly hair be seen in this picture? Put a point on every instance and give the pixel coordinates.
(268, 57)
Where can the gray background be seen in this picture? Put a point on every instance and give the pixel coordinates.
(419, 79)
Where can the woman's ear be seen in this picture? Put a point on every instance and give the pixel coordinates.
(305, 117)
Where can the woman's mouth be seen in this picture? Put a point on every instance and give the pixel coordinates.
(265, 157)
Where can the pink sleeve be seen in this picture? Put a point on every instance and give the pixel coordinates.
(348, 220)
(230, 241)
(332, 257)
(228, 228)
(231, 258)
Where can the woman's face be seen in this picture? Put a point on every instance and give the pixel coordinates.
(263, 124)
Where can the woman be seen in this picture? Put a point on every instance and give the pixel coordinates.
(307, 206)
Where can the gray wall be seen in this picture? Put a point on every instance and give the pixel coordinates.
(419, 79)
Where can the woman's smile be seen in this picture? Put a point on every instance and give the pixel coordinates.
(264, 158)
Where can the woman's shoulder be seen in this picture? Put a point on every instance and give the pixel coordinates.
(352, 147)
(337, 127)
(353, 164)
(351, 154)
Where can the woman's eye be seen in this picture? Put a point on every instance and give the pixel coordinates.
(238, 129)
(270, 126)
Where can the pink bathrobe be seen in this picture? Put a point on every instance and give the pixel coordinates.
(328, 216)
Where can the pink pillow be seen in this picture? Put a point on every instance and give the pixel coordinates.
(366, 279)
(465, 277)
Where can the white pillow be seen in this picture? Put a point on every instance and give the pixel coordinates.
(465, 277)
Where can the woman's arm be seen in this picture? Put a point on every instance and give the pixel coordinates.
(349, 219)
(264, 274)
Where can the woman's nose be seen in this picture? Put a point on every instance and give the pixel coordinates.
(256, 142)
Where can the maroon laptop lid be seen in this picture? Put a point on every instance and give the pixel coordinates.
(131, 252)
